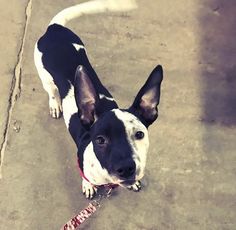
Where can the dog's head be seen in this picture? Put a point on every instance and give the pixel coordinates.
(119, 137)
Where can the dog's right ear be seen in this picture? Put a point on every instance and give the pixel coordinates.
(85, 96)
(147, 99)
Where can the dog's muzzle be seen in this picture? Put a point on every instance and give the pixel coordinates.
(126, 169)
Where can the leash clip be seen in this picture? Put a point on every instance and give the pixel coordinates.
(96, 203)
(106, 194)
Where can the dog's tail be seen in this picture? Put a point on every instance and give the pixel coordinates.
(92, 7)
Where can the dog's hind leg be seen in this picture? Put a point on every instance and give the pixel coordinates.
(55, 107)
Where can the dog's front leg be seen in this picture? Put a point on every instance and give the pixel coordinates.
(55, 107)
(88, 189)
(136, 186)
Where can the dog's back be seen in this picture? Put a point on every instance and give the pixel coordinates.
(59, 52)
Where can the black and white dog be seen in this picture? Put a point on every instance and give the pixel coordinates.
(112, 143)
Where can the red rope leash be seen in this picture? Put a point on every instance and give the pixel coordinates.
(77, 220)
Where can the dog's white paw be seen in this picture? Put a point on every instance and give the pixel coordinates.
(55, 107)
(88, 189)
(136, 186)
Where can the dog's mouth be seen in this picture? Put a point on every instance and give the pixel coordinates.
(127, 182)
(123, 182)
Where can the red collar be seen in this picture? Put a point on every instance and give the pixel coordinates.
(82, 173)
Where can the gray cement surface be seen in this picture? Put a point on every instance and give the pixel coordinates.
(191, 169)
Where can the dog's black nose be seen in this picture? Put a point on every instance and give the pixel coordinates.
(126, 170)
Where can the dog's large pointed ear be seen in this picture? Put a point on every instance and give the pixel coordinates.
(147, 99)
(85, 96)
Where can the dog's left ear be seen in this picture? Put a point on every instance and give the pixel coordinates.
(147, 99)
(85, 96)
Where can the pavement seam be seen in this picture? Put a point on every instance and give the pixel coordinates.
(15, 89)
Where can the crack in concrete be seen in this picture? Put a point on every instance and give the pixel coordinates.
(15, 90)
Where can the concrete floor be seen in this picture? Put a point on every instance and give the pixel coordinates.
(190, 179)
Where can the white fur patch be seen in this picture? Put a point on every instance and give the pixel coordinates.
(44, 75)
(69, 105)
(78, 47)
(101, 96)
(139, 147)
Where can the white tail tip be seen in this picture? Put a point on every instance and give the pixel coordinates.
(93, 7)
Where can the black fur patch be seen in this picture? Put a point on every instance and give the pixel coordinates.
(60, 59)
(80, 136)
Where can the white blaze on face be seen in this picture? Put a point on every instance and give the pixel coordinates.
(138, 146)
(94, 171)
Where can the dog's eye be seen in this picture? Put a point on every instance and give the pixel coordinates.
(139, 135)
(100, 140)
